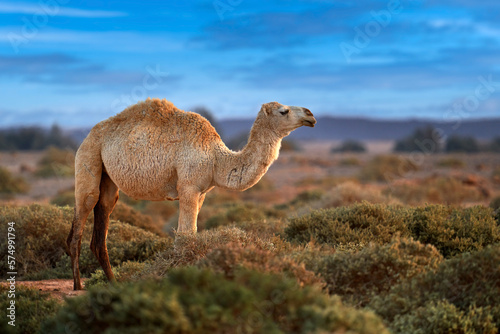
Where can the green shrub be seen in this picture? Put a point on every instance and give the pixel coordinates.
(64, 198)
(350, 161)
(34, 138)
(424, 139)
(31, 308)
(127, 271)
(359, 223)
(57, 162)
(386, 168)
(466, 281)
(41, 233)
(441, 317)
(462, 144)
(494, 145)
(451, 162)
(229, 258)
(357, 277)
(455, 230)
(451, 230)
(190, 248)
(10, 184)
(191, 300)
(350, 146)
(124, 213)
(495, 205)
(128, 215)
(495, 175)
(242, 212)
(124, 243)
(307, 197)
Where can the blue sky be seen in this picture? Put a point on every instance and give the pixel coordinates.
(76, 63)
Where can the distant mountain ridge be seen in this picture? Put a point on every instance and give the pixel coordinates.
(336, 128)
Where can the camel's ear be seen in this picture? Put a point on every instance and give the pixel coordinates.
(269, 107)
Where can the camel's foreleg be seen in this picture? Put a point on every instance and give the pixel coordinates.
(189, 206)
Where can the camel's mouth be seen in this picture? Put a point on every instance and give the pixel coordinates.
(309, 122)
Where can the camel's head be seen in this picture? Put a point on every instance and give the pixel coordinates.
(287, 118)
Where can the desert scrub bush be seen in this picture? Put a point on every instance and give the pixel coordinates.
(438, 190)
(426, 137)
(122, 212)
(358, 276)
(349, 193)
(385, 168)
(57, 162)
(126, 214)
(189, 248)
(190, 300)
(495, 205)
(263, 229)
(125, 243)
(437, 317)
(10, 184)
(344, 194)
(306, 197)
(41, 233)
(64, 198)
(359, 223)
(350, 161)
(495, 175)
(451, 162)
(243, 212)
(455, 230)
(469, 281)
(229, 258)
(464, 144)
(126, 271)
(32, 307)
(350, 146)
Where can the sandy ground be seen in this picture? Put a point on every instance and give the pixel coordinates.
(57, 288)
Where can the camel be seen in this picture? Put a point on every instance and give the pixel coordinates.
(155, 151)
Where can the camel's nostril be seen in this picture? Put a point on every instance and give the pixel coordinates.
(307, 112)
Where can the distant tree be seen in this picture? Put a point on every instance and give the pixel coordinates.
(494, 145)
(35, 138)
(462, 144)
(350, 146)
(203, 111)
(426, 139)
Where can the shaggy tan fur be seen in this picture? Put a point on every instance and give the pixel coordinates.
(154, 151)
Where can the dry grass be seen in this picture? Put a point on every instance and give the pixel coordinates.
(386, 168)
(446, 190)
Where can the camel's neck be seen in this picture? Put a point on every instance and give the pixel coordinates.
(241, 170)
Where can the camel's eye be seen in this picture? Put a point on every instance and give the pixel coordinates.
(284, 112)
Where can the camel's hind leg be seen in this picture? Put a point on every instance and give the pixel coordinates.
(106, 204)
(88, 166)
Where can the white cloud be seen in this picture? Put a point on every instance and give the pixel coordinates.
(55, 9)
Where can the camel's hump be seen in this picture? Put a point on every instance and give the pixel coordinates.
(156, 113)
